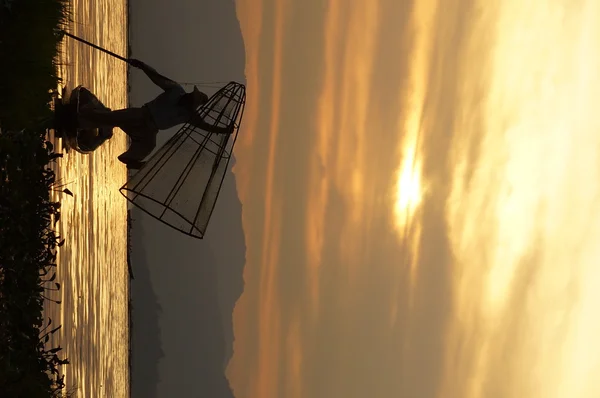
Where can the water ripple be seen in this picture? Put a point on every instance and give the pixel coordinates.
(92, 267)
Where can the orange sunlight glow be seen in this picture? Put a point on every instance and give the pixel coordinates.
(408, 187)
(270, 313)
(408, 190)
(343, 128)
(318, 188)
(519, 200)
(251, 24)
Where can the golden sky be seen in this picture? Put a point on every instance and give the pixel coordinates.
(420, 199)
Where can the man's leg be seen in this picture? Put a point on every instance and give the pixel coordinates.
(143, 142)
(98, 118)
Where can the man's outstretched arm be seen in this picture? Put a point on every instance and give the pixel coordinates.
(161, 81)
(199, 122)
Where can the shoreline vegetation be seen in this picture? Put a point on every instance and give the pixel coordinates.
(28, 244)
(31, 32)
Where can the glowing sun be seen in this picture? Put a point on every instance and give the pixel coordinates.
(408, 190)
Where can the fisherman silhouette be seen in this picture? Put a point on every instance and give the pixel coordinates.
(170, 108)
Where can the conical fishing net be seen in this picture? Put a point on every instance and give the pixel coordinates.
(180, 183)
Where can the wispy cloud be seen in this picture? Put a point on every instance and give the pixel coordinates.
(337, 303)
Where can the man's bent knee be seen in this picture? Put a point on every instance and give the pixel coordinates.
(133, 164)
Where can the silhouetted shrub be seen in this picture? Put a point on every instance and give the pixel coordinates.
(28, 243)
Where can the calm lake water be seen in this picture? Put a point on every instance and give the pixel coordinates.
(92, 265)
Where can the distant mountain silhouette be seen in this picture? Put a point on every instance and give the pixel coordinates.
(198, 290)
(227, 242)
(146, 342)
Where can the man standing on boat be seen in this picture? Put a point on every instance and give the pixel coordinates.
(172, 107)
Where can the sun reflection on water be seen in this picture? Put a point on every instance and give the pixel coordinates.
(92, 267)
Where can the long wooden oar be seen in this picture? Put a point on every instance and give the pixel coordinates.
(96, 46)
(204, 84)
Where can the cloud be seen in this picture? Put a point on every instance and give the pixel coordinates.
(335, 304)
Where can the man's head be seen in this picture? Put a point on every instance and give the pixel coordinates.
(198, 97)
